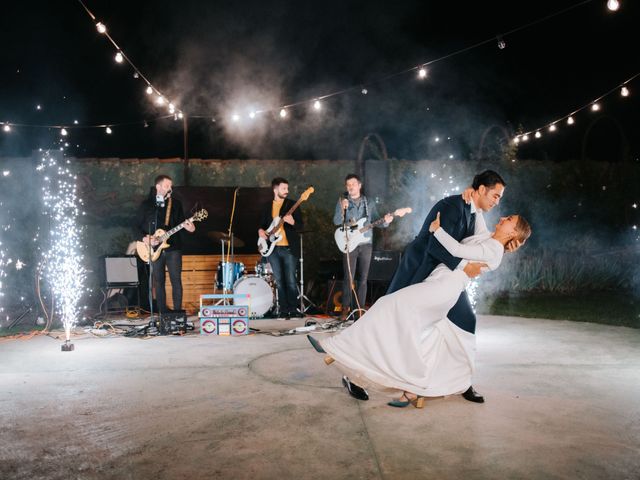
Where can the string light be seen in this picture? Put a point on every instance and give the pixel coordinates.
(595, 107)
(108, 130)
(101, 27)
(538, 134)
(624, 91)
(119, 58)
(570, 120)
(613, 5)
(6, 128)
(283, 113)
(525, 138)
(552, 127)
(317, 105)
(64, 132)
(149, 90)
(422, 73)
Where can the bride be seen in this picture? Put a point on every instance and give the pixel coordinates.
(405, 341)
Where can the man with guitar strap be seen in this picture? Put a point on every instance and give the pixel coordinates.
(161, 211)
(284, 258)
(351, 208)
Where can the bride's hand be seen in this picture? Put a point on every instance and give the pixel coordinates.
(435, 224)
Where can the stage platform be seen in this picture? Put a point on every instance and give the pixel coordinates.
(562, 403)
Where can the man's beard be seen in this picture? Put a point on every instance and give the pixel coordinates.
(282, 196)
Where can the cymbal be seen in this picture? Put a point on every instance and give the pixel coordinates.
(224, 236)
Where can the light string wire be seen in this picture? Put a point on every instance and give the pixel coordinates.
(536, 131)
(306, 101)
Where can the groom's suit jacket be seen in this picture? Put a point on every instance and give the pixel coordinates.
(424, 253)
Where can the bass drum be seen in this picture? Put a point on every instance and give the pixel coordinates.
(259, 291)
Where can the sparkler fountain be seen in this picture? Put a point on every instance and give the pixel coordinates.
(62, 261)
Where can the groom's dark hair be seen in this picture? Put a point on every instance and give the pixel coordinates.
(488, 178)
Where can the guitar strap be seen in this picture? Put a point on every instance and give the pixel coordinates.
(166, 217)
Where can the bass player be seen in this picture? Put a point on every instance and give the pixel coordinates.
(351, 208)
(284, 258)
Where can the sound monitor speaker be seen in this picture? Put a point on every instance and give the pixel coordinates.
(383, 265)
(121, 271)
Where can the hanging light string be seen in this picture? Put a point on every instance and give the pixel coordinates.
(121, 56)
(316, 101)
(593, 105)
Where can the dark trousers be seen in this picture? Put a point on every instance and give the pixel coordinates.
(359, 261)
(173, 262)
(283, 263)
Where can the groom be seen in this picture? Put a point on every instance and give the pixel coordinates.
(460, 220)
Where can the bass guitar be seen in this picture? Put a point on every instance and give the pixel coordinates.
(145, 250)
(274, 232)
(349, 237)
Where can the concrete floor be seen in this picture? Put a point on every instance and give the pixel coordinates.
(562, 403)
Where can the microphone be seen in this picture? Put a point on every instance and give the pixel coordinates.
(345, 195)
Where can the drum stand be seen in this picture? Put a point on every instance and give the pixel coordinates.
(301, 296)
(224, 301)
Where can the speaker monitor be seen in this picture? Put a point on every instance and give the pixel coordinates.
(383, 265)
(121, 271)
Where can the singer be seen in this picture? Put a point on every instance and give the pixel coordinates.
(161, 211)
(350, 208)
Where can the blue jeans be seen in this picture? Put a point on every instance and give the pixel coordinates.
(284, 264)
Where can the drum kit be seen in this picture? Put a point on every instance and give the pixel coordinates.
(233, 278)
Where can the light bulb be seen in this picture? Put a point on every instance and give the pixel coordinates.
(552, 127)
(119, 57)
(180, 115)
(525, 138)
(501, 43)
(252, 114)
(160, 100)
(149, 90)
(422, 73)
(101, 27)
(235, 117)
(595, 107)
(172, 108)
(283, 113)
(613, 5)
(624, 91)
(108, 130)
(317, 105)
(64, 132)
(516, 140)
(364, 91)
(538, 134)
(570, 121)
(6, 128)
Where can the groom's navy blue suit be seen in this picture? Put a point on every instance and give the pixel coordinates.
(424, 253)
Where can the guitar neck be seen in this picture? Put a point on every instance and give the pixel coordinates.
(289, 212)
(373, 224)
(174, 230)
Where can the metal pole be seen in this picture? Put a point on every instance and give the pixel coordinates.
(185, 158)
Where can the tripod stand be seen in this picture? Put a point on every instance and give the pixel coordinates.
(301, 296)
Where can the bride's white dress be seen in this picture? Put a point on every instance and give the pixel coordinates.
(405, 341)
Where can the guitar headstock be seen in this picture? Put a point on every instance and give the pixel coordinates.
(306, 194)
(200, 215)
(401, 212)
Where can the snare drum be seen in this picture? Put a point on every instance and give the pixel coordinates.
(264, 269)
(260, 294)
(232, 272)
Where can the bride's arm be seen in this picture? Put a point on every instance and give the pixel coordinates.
(474, 253)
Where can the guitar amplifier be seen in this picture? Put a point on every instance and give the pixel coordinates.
(383, 265)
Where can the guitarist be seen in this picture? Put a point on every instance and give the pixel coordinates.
(161, 211)
(351, 208)
(284, 258)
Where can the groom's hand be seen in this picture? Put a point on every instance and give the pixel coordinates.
(466, 195)
(473, 269)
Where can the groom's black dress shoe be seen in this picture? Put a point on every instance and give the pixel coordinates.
(473, 396)
(354, 390)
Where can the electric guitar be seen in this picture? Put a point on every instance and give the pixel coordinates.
(274, 232)
(349, 237)
(145, 251)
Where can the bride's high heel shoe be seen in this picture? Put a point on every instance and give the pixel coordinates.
(417, 402)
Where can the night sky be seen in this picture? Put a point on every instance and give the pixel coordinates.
(219, 58)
